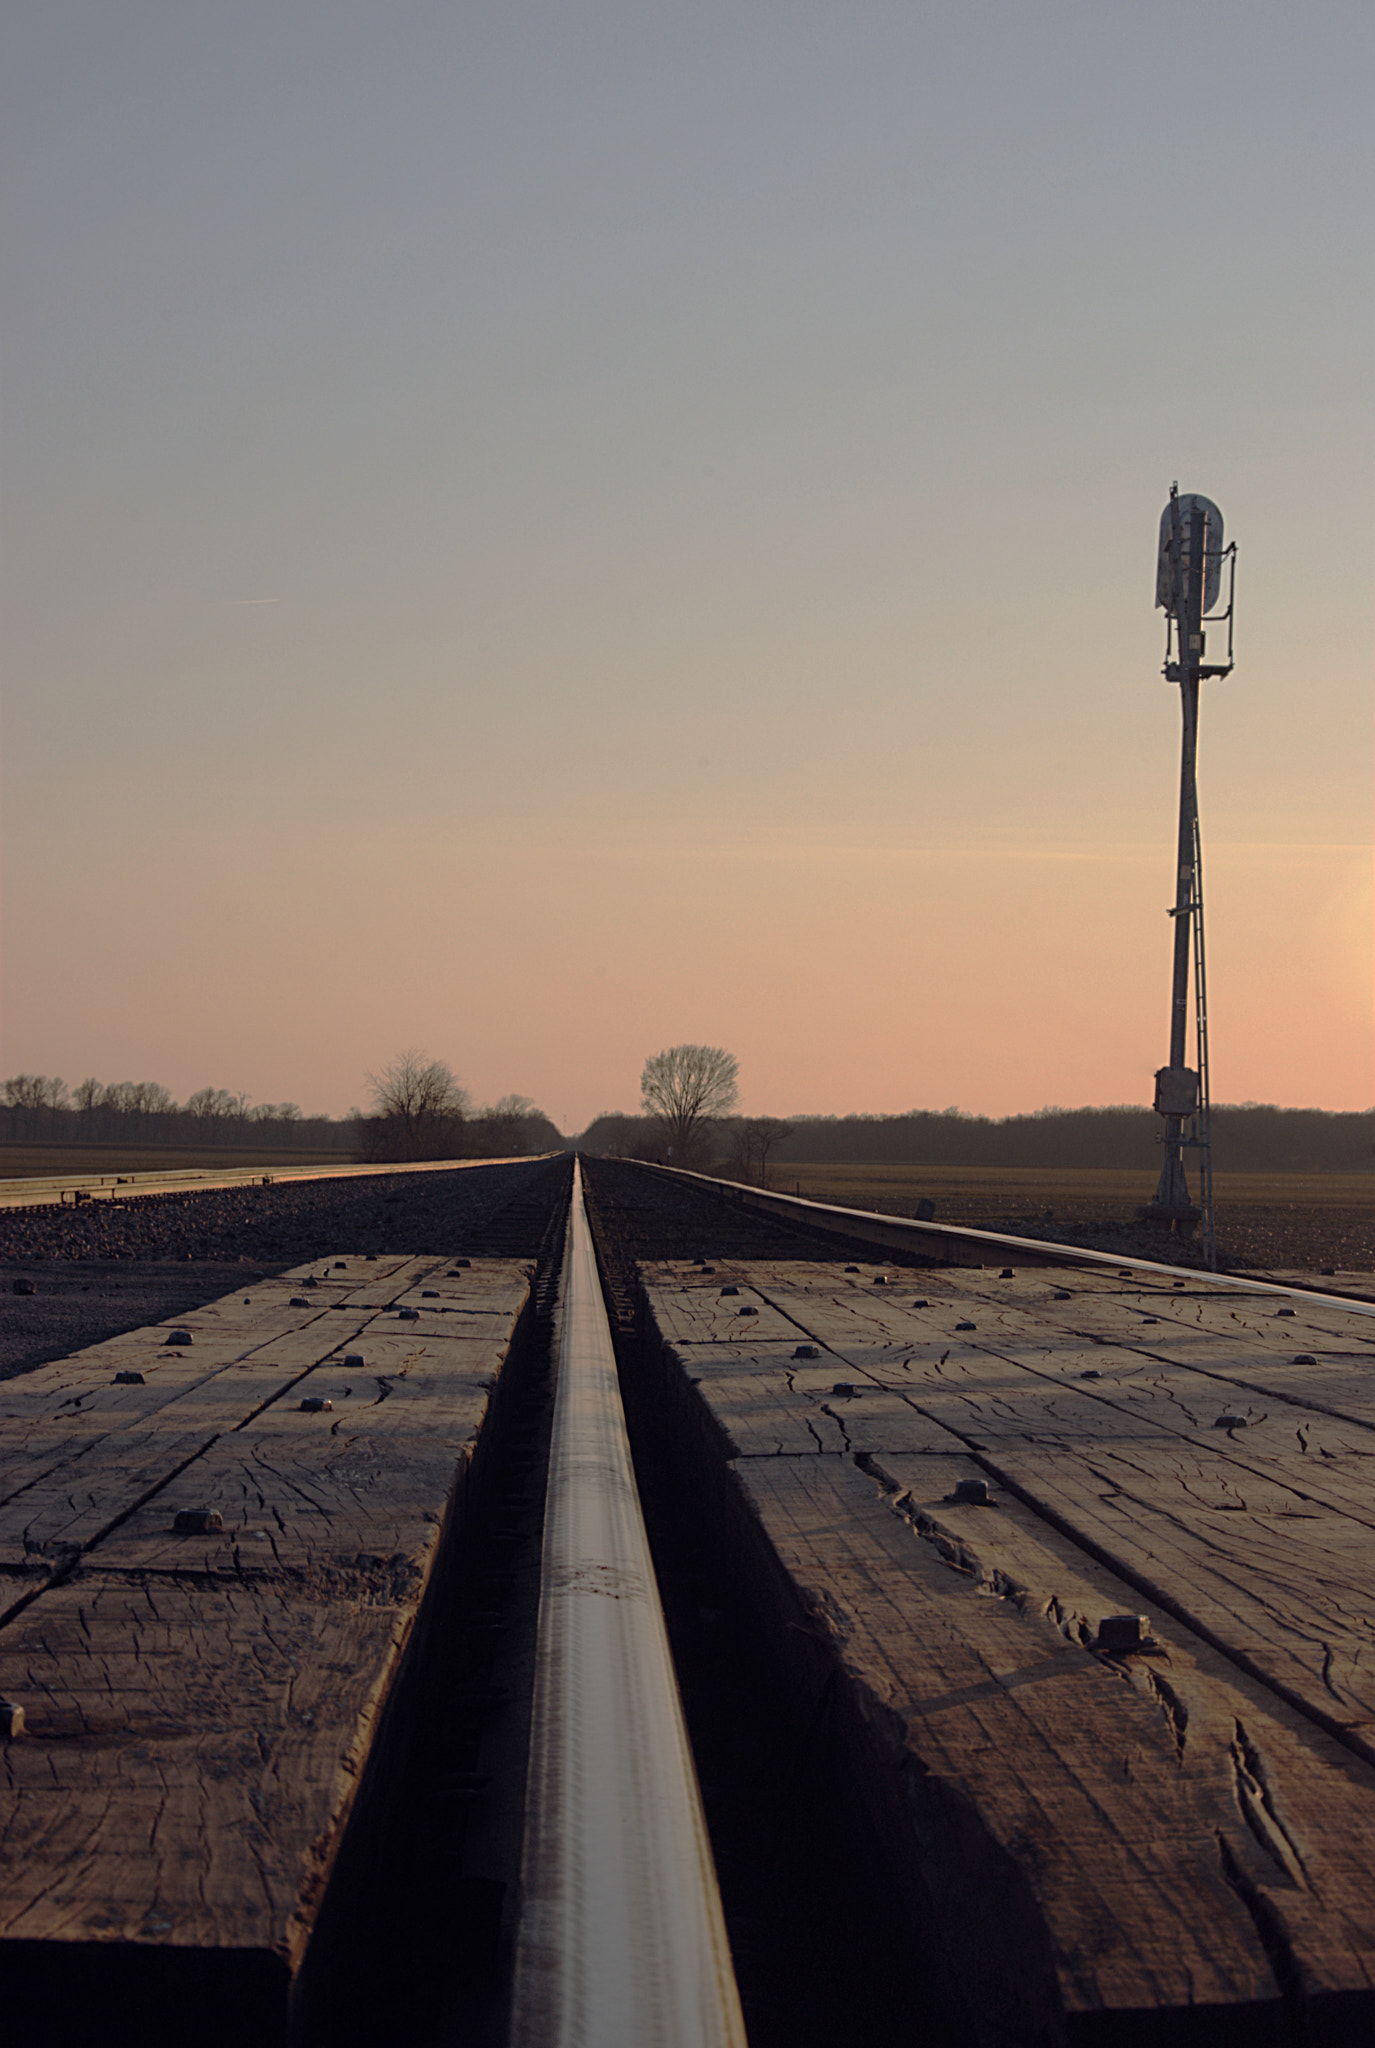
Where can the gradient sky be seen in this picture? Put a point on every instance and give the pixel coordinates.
(540, 532)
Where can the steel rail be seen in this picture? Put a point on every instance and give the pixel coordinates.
(621, 1941)
(961, 1244)
(43, 1190)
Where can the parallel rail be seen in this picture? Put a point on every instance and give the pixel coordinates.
(39, 1191)
(622, 1942)
(958, 1245)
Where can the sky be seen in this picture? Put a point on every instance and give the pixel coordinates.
(542, 532)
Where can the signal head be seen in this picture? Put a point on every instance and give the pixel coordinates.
(1196, 513)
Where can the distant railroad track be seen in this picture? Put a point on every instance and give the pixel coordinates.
(40, 1191)
(959, 1244)
(965, 1245)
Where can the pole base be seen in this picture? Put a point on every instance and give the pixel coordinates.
(1174, 1215)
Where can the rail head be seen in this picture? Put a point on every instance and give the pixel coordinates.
(621, 1941)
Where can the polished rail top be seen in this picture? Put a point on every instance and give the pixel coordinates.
(621, 1942)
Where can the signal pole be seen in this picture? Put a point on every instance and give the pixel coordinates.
(1187, 587)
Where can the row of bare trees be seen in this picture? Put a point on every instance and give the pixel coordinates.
(421, 1111)
(138, 1098)
(41, 1109)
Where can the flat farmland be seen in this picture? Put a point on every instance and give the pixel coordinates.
(1301, 1221)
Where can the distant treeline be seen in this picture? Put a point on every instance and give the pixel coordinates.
(1250, 1137)
(38, 1110)
(487, 1134)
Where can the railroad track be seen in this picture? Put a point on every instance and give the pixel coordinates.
(621, 1937)
(72, 1189)
(527, 1859)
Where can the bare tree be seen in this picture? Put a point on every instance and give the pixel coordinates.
(35, 1091)
(505, 1124)
(755, 1139)
(150, 1098)
(685, 1086)
(206, 1102)
(418, 1109)
(128, 1098)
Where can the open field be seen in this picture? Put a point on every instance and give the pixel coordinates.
(28, 1162)
(1293, 1220)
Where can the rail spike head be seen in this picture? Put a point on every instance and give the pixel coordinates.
(198, 1522)
(1119, 1634)
(972, 1493)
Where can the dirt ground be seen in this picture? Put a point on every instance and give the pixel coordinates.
(1302, 1222)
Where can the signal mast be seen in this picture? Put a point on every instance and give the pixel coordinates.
(1188, 586)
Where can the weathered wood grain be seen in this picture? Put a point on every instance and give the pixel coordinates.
(897, 1345)
(1068, 1774)
(1297, 1813)
(312, 1492)
(81, 1451)
(1285, 1593)
(1187, 1459)
(769, 1406)
(702, 1315)
(198, 1707)
(191, 1753)
(1266, 1557)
